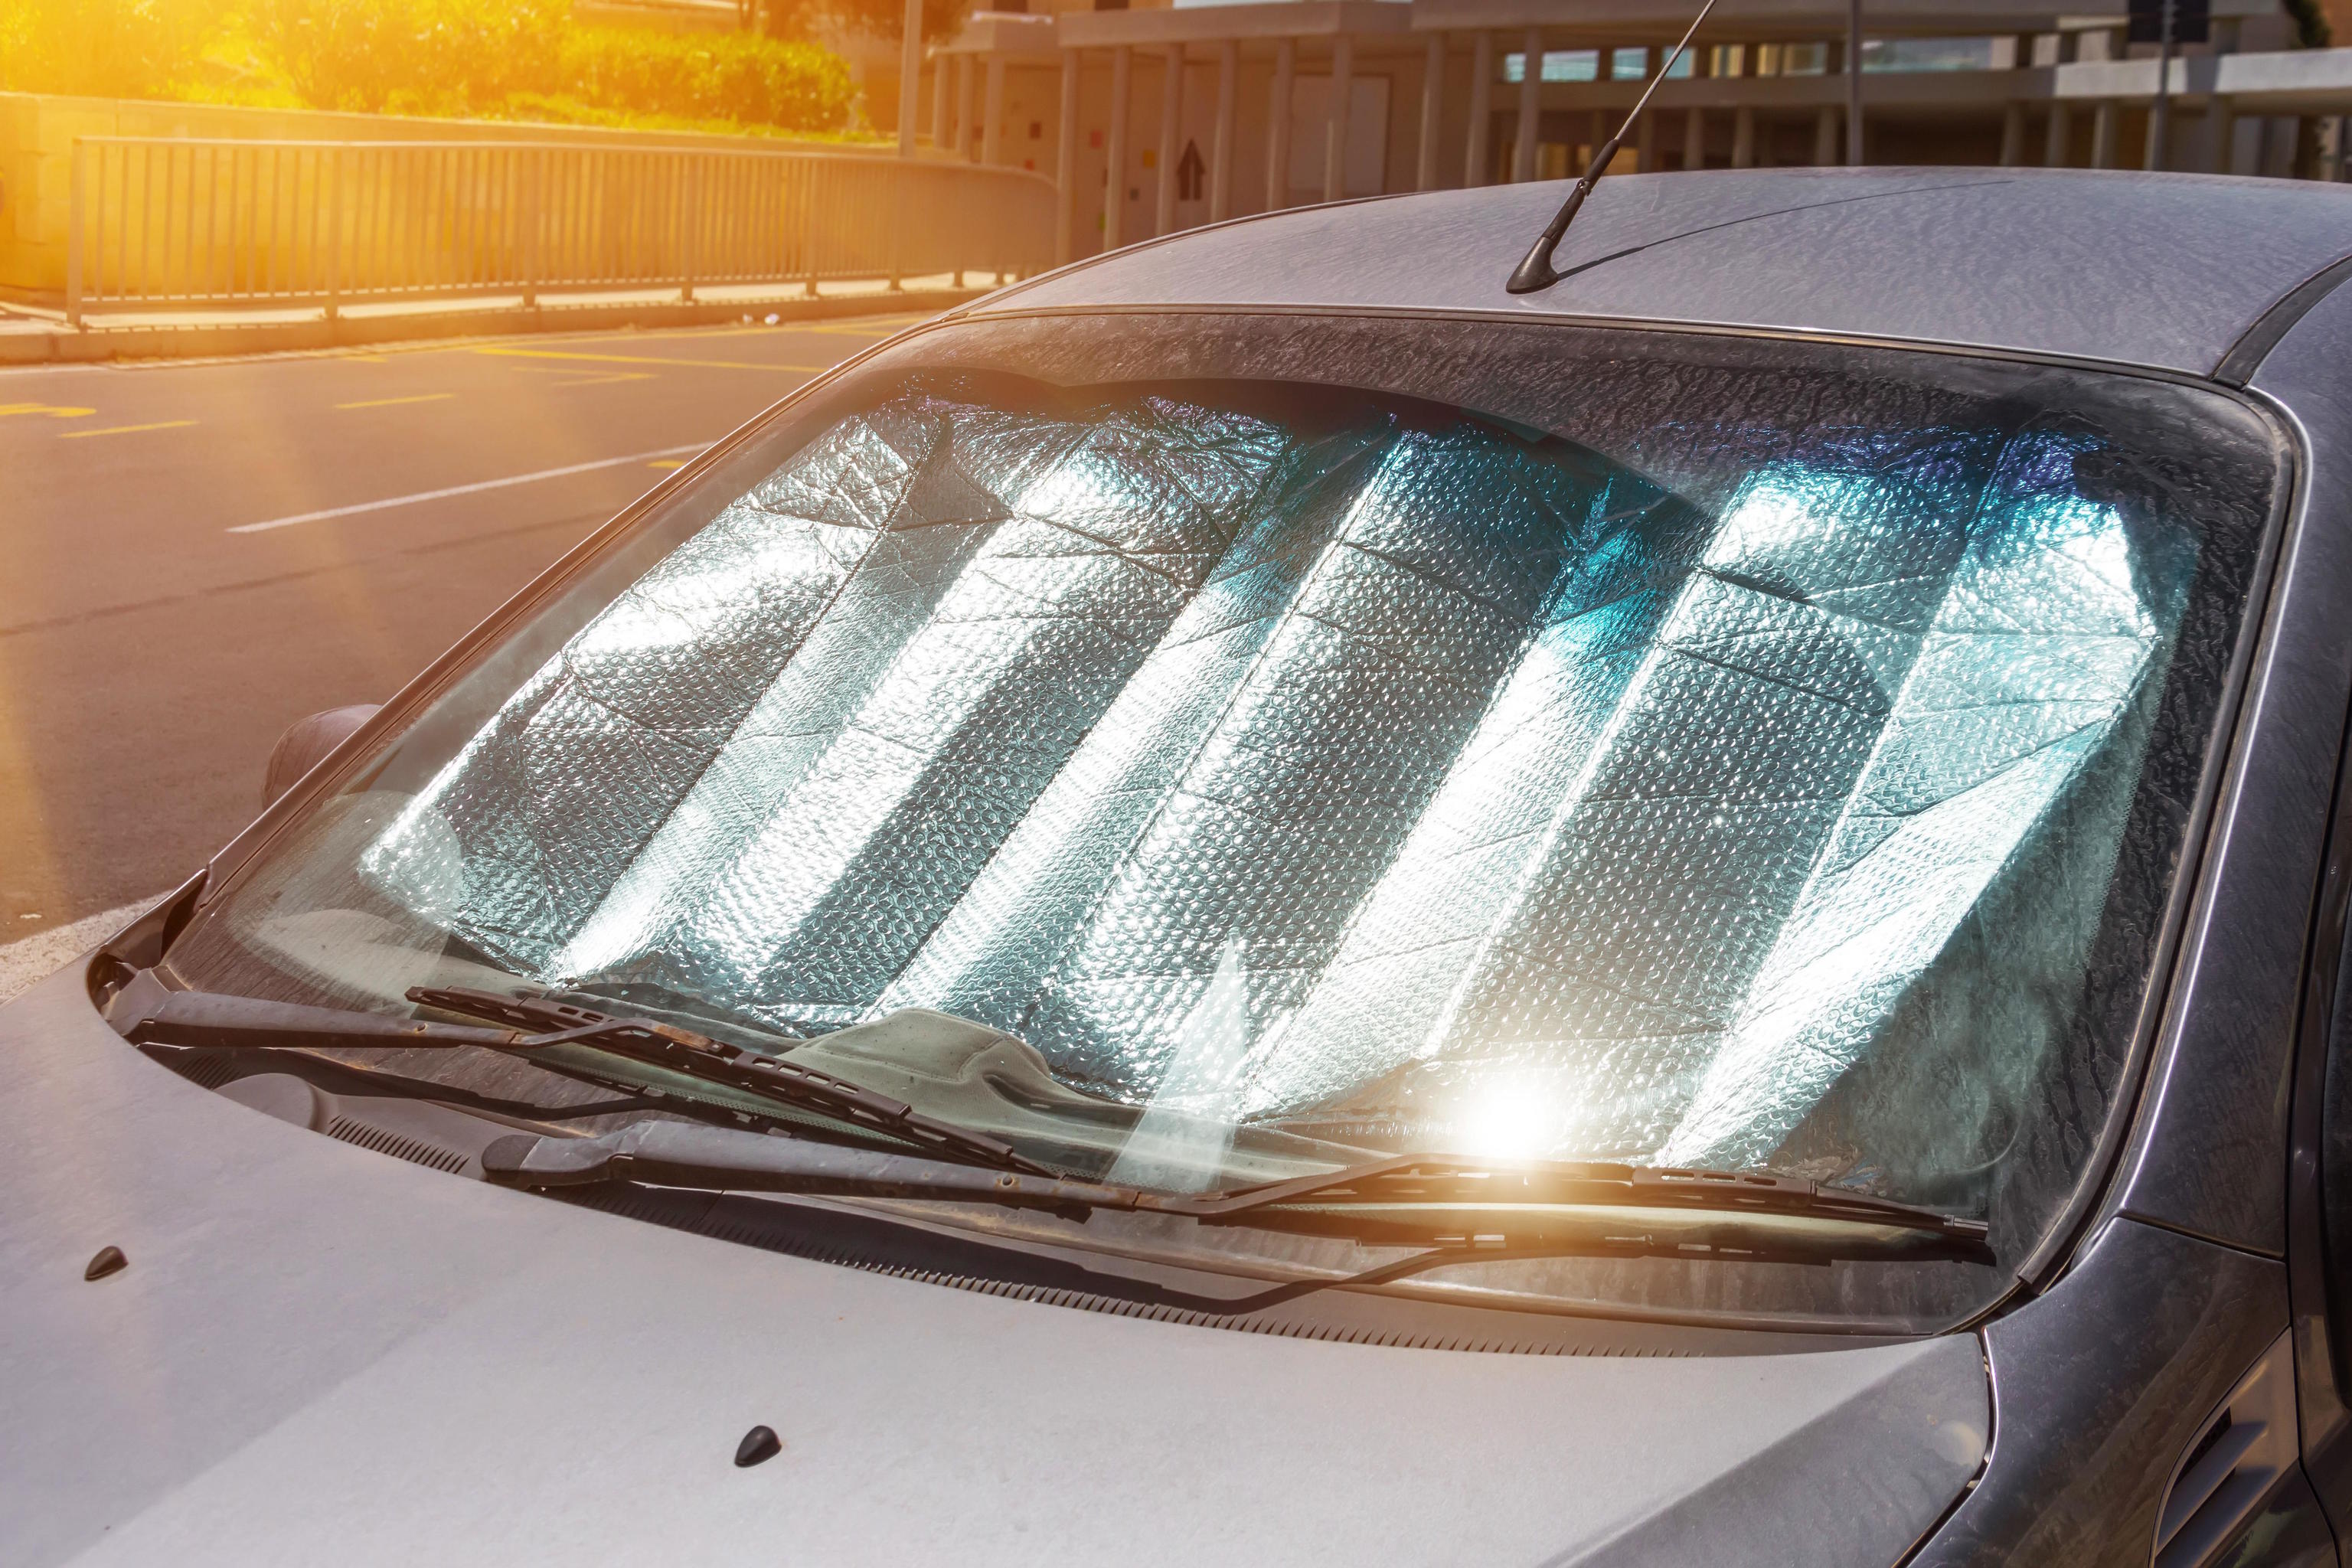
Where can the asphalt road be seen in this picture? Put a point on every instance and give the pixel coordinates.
(153, 643)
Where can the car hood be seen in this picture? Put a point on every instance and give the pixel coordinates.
(321, 1352)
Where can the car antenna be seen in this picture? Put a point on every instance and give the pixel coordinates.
(1536, 271)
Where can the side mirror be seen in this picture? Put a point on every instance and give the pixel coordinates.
(306, 742)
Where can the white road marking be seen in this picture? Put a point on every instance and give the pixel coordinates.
(40, 955)
(460, 490)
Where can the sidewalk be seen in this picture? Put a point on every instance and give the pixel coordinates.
(32, 334)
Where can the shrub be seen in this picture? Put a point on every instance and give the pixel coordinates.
(106, 48)
(414, 57)
(715, 75)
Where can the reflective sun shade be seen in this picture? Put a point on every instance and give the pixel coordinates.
(1482, 789)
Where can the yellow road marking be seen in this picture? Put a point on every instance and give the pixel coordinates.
(125, 429)
(369, 359)
(54, 411)
(650, 359)
(394, 401)
(666, 463)
(606, 380)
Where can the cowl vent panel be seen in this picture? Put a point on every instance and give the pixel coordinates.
(2236, 1460)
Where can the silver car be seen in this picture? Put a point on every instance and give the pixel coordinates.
(1258, 902)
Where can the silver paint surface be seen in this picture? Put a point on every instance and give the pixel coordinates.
(2157, 269)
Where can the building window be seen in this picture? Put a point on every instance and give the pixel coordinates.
(1559, 65)
(1926, 54)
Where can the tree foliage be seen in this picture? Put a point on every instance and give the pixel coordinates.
(104, 48)
(496, 58)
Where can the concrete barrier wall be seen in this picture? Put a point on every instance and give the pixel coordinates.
(38, 131)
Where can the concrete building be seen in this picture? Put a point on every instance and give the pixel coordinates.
(1179, 116)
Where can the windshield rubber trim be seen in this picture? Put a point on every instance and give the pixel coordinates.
(1567, 320)
(2237, 367)
(2098, 1194)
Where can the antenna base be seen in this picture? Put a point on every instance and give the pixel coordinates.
(1535, 273)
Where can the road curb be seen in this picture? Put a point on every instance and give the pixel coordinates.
(222, 339)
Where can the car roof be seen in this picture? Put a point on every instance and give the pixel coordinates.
(2164, 270)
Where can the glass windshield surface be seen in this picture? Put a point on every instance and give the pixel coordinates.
(1689, 754)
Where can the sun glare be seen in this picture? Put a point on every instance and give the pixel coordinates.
(1509, 1117)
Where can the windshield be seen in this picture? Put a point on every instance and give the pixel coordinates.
(1591, 746)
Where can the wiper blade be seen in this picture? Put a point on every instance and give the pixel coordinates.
(1452, 1181)
(696, 1056)
(1416, 1200)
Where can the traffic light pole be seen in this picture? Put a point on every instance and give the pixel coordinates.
(1854, 84)
(2159, 122)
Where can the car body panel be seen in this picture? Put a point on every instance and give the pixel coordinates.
(2099, 1387)
(315, 1343)
(2165, 271)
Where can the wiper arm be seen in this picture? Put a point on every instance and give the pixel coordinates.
(147, 1012)
(686, 1154)
(150, 1014)
(1412, 1200)
(699, 1057)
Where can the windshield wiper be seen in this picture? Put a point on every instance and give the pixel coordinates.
(1409, 1180)
(1412, 1200)
(699, 1057)
(147, 1012)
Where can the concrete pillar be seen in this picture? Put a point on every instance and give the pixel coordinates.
(2102, 136)
(2057, 137)
(2013, 135)
(1433, 95)
(968, 111)
(1743, 138)
(2222, 134)
(1122, 73)
(963, 107)
(1065, 165)
(1221, 157)
(1277, 125)
(1172, 131)
(1482, 110)
(910, 74)
(1523, 150)
(941, 79)
(991, 123)
(1693, 138)
(1825, 137)
(1335, 128)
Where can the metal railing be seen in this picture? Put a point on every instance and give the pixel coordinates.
(176, 222)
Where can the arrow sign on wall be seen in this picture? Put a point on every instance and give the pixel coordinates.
(1190, 170)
